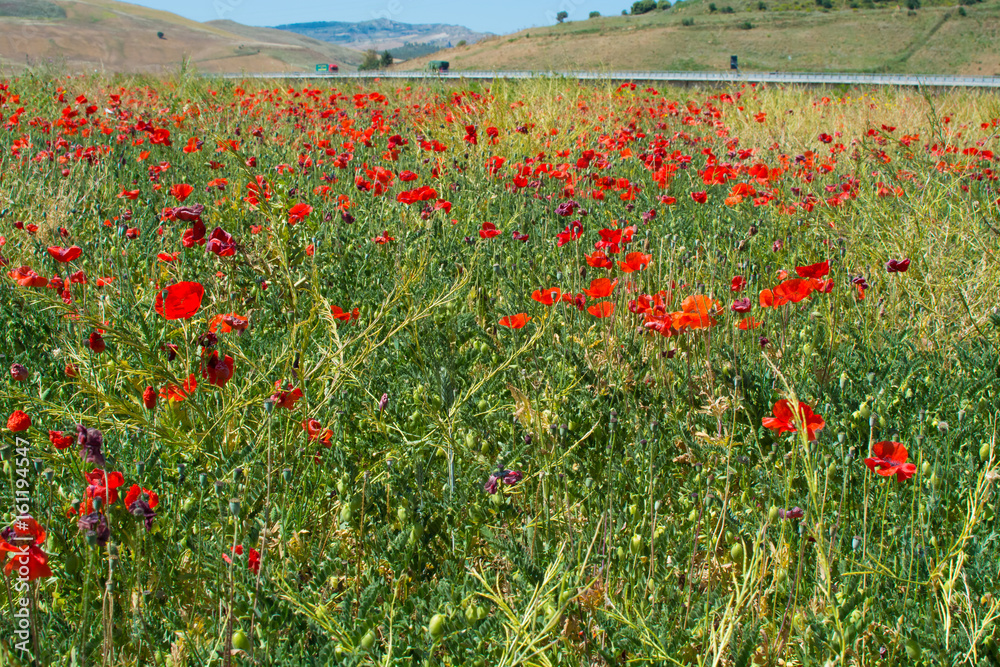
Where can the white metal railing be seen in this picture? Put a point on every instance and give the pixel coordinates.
(730, 76)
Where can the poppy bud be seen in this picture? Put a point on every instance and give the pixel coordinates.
(18, 372)
(234, 507)
(96, 342)
(149, 398)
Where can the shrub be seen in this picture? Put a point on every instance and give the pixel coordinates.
(687, 22)
(562, 16)
(594, 15)
(762, 6)
(370, 61)
(712, 8)
(643, 6)
(728, 10)
(962, 12)
(746, 25)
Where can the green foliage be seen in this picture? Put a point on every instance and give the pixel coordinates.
(385, 60)
(594, 14)
(371, 61)
(643, 7)
(687, 22)
(654, 510)
(562, 16)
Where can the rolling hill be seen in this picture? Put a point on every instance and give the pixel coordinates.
(382, 34)
(87, 35)
(797, 36)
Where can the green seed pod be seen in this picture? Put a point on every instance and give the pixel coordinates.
(864, 410)
(241, 641)
(368, 641)
(772, 514)
(637, 544)
(984, 452)
(912, 649)
(436, 626)
(736, 553)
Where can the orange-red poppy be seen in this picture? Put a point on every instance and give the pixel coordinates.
(783, 419)
(602, 309)
(547, 297)
(889, 458)
(64, 255)
(515, 321)
(635, 261)
(600, 288)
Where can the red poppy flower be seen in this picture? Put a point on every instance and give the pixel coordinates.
(897, 265)
(547, 297)
(59, 440)
(699, 197)
(101, 485)
(18, 421)
(600, 288)
(423, 193)
(26, 551)
(168, 257)
(384, 238)
(602, 309)
(635, 261)
(180, 301)
(218, 371)
(64, 255)
(96, 342)
(817, 270)
(283, 398)
(228, 322)
(488, 231)
(315, 431)
(738, 283)
(70, 370)
(221, 243)
(26, 277)
(135, 491)
(345, 316)
(783, 420)
(176, 394)
(888, 459)
(515, 321)
(598, 260)
(18, 373)
(149, 398)
(181, 191)
(298, 213)
(748, 323)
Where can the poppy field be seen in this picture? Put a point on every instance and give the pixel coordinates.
(521, 373)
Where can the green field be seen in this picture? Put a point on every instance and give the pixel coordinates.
(539, 373)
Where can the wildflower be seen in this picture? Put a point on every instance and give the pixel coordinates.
(737, 284)
(488, 231)
(600, 288)
(18, 373)
(508, 477)
(814, 270)
(602, 309)
(515, 321)
(283, 398)
(897, 265)
(18, 421)
(59, 440)
(218, 371)
(253, 558)
(298, 213)
(180, 301)
(140, 503)
(741, 306)
(547, 297)
(149, 398)
(95, 528)
(888, 459)
(64, 255)
(96, 342)
(345, 316)
(221, 243)
(23, 541)
(383, 402)
(794, 513)
(783, 419)
(90, 441)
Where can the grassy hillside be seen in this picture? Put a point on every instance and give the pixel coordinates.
(87, 35)
(689, 36)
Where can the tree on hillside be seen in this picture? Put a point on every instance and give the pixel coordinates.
(595, 15)
(385, 59)
(643, 6)
(562, 16)
(370, 61)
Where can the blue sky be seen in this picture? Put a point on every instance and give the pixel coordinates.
(499, 17)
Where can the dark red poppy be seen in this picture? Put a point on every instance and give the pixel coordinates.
(221, 243)
(217, 370)
(228, 322)
(96, 342)
(149, 398)
(64, 255)
(737, 284)
(180, 301)
(897, 265)
(889, 458)
(135, 492)
(783, 419)
(699, 197)
(18, 373)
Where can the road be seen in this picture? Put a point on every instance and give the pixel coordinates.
(904, 80)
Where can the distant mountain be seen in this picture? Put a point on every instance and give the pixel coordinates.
(86, 35)
(383, 34)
